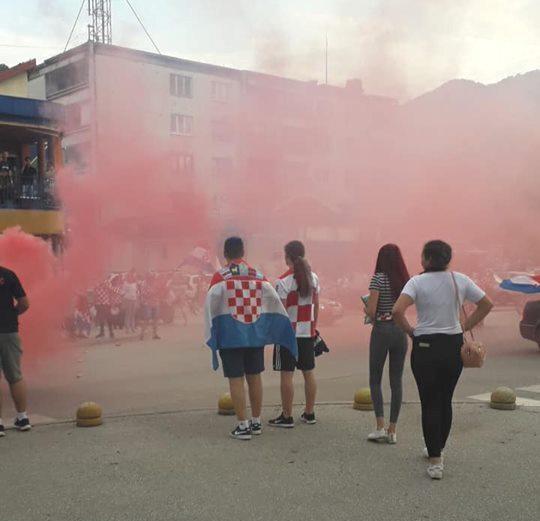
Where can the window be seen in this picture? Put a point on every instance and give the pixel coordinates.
(223, 166)
(181, 124)
(65, 78)
(73, 116)
(78, 156)
(220, 91)
(181, 86)
(183, 164)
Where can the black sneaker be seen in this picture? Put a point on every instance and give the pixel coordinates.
(308, 418)
(2, 431)
(281, 421)
(241, 434)
(22, 425)
(256, 428)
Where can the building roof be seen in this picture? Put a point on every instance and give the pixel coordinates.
(253, 78)
(18, 69)
(145, 56)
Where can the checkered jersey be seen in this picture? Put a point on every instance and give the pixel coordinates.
(102, 294)
(301, 310)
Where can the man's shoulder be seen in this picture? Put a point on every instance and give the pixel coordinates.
(287, 274)
(6, 273)
(242, 270)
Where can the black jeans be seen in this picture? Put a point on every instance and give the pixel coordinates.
(436, 365)
(104, 317)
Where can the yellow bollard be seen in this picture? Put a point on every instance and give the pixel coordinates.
(89, 414)
(362, 400)
(503, 398)
(225, 405)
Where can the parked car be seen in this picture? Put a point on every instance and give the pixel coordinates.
(529, 326)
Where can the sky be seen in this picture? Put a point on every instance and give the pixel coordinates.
(398, 48)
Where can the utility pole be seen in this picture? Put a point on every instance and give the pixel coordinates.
(100, 30)
(326, 62)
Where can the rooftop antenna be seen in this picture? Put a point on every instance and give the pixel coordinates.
(326, 62)
(100, 30)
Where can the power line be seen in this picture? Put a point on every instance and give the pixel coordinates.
(142, 25)
(30, 46)
(73, 28)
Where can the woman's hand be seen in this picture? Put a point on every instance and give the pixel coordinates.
(483, 307)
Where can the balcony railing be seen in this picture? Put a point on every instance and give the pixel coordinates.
(27, 192)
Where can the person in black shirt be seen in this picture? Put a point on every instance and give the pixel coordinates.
(28, 178)
(13, 302)
(5, 178)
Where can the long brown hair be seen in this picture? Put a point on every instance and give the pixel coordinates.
(296, 252)
(390, 261)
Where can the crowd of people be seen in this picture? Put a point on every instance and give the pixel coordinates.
(131, 303)
(245, 313)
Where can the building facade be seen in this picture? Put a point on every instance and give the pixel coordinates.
(223, 130)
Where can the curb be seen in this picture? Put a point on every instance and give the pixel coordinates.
(142, 414)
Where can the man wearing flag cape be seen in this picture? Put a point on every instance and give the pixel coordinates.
(243, 313)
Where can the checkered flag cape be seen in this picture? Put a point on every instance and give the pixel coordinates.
(242, 309)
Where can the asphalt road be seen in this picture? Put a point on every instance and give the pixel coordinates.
(175, 373)
(181, 466)
(164, 454)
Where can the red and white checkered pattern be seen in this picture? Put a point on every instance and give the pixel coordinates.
(301, 314)
(102, 295)
(301, 310)
(245, 299)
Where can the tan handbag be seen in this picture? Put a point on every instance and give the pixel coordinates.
(473, 353)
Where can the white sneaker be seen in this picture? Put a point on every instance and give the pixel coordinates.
(391, 438)
(435, 471)
(378, 435)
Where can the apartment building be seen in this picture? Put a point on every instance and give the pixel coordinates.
(219, 128)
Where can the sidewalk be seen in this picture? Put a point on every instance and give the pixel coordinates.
(182, 466)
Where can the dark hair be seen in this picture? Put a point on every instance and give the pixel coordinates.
(296, 252)
(438, 255)
(233, 248)
(390, 261)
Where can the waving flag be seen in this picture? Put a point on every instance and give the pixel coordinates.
(200, 259)
(243, 310)
(522, 283)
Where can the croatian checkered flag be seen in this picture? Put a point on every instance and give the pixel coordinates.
(242, 309)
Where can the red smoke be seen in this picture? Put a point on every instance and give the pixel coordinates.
(342, 171)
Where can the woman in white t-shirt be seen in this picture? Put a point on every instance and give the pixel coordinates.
(437, 340)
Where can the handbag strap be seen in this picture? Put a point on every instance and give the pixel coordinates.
(460, 306)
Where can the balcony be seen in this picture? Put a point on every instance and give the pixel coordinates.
(27, 192)
(30, 134)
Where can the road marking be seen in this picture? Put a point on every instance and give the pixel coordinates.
(531, 389)
(522, 402)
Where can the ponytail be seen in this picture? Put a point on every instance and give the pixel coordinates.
(295, 251)
(302, 275)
